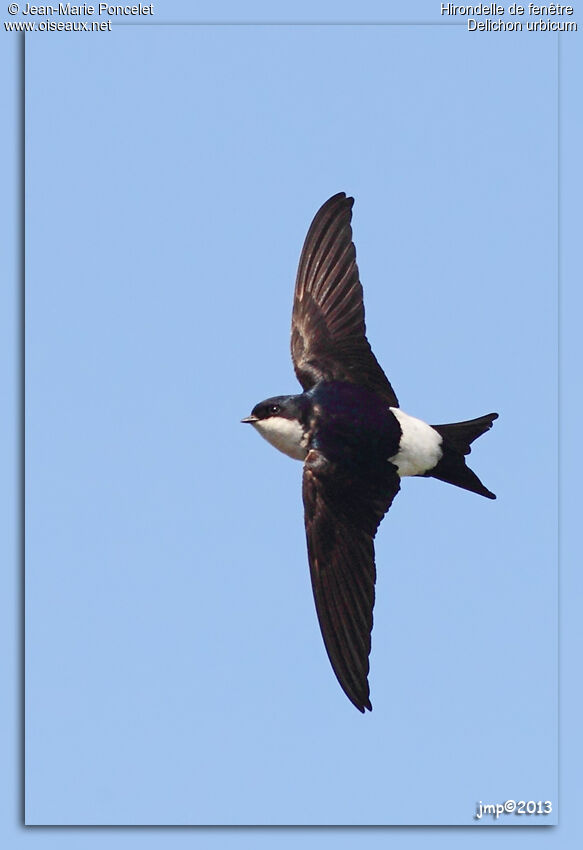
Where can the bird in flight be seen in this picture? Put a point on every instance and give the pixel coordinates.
(354, 440)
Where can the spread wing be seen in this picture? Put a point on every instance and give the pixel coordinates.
(328, 339)
(342, 513)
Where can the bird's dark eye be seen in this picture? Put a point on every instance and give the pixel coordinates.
(274, 408)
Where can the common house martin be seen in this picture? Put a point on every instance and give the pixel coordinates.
(354, 440)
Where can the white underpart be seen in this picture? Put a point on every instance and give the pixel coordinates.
(287, 435)
(420, 446)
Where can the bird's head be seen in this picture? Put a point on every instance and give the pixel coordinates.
(279, 421)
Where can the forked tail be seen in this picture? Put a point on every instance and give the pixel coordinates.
(457, 440)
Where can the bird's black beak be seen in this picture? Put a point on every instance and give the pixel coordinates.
(250, 419)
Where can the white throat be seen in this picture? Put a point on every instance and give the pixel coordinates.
(287, 435)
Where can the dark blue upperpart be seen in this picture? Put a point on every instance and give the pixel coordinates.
(350, 424)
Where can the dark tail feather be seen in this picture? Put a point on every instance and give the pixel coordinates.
(461, 434)
(457, 438)
(453, 470)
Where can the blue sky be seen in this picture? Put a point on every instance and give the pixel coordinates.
(175, 673)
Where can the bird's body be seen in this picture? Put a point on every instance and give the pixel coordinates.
(338, 418)
(354, 440)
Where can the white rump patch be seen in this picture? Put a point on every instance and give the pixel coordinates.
(287, 435)
(420, 446)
